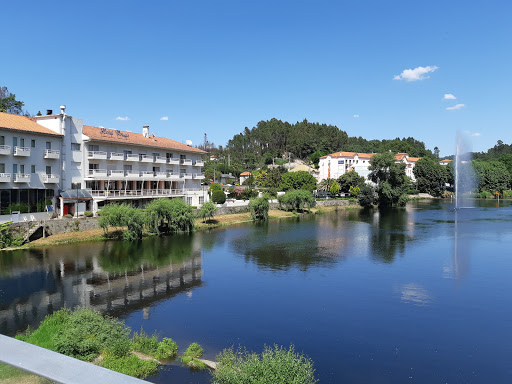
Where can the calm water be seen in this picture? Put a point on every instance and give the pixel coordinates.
(421, 294)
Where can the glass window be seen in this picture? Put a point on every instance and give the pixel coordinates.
(2, 140)
(48, 145)
(75, 146)
(201, 199)
(2, 168)
(183, 157)
(22, 142)
(14, 141)
(48, 170)
(168, 155)
(189, 200)
(94, 147)
(22, 168)
(15, 168)
(33, 143)
(32, 169)
(183, 170)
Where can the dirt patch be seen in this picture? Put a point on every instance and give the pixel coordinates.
(70, 237)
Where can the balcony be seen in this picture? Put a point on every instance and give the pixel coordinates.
(198, 176)
(22, 177)
(132, 174)
(147, 174)
(116, 156)
(199, 163)
(161, 175)
(5, 177)
(173, 176)
(97, 173)
(98, 155)
(186, 162)
(21, 151)
(51, 154)
(186, 176)
(116, 173)
(160, 160)
(51, 179)
(146, 159)
(132, 157)
(5, 149)
(173, 161)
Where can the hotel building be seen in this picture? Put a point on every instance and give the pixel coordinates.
(57, 160)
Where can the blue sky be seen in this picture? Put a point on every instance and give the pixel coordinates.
(219, 66)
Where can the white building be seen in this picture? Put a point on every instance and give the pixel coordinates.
(410, 163)
(56, 153)
(336, 164)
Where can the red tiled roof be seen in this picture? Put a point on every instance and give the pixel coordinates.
(246, 173)
(23, 123)
(116, 136)
(350, 154)
(445, 161)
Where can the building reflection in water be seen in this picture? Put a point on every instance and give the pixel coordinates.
(115, 278)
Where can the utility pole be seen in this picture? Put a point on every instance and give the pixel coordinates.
(229, 160)
(205, 142)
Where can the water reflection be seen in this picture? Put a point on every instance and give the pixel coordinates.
(415, 294)
(112, 277)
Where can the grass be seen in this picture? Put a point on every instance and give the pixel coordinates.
(191, 356)
(130, 365)
(149, 345)
(11, 375)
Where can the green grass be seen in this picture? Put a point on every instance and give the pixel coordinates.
(10, 374)
(149, 345)
(189, 358)
(130, 365)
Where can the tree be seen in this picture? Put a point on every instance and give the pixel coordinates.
(367, 196)
(296, 200)
(335, 189)
(259, 209)
(9, 104)
(219, 197)
(207, 211)
(491, 176)
(270, 178)
(436, 152)
(298, 180)
(350, 179)
(430, 176)
(392, 183)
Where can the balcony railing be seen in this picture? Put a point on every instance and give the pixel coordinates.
(146, 159)
(147, 174)
(51, 179)
(5, 177)
(100, 155)
(51, 154)
(136, 193)
(186, 161)
(98, 172)
(132, 173)
(173, 160)
(198, 176)
(116, 156)
(116, 173)
(160, 160)
(132, 157)
(22, 177)
(185, 175)
(173, 176)
(161, 175)
(5, 149)
(199, 163)
(21, 151)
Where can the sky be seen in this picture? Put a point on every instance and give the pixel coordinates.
(376, 69)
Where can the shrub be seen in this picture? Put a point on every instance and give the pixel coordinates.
(218, 197)
(367, 197)
(296, 200)
(298, 180)
(7, 238)
(167, 349)
(335, 188)
(189, 358)
(274, 365)
(207, 211)
(68, 216)
(259, 209)
(88, 214)
(249, 193)
(507, 194)
(130, 365)
(215, 187)
(145, 344)
(355, 191)
(181, 216)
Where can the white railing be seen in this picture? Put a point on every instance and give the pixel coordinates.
(132, 157)
(161, 175)
(160, 159)
(21, 177)
(186, 161)
(97, 155)
(146, 159)
(185, 175)
(132, 173)
(116, 173)
(21, 151)
(146, 174)
(51, 154)
(5, 177)
(173, 160)
(49, 178)
(98, 172)
(5, 149)
(198, 176)
(135, 193)
(199, 163)
(116, 156)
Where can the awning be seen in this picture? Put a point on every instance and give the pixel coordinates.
(76, 194)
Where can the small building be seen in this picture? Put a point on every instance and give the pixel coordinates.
(244, 176)
(337, 164)
(410, 163)
(445, 162)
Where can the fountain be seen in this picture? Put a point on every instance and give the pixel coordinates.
(464, 175)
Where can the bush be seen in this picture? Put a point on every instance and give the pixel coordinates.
(189, 358)
(259, 209)
(167, 349)
(367, 197)
(215, 187)
(7, 238)
(144, 344)
(296, 200)
(507, 194)
(298, 180)
(218, 197)
(274, 365)
(88, 214)
(249, 193)
(207, 211)
(130, 365)
(68, 216)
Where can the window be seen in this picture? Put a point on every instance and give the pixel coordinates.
(183, 157)
(33, 143)
(94, 166)
(94, 148)
(2, 140)
(14, 141)
(183, 170)
(75, 146)
(15, 168)
(22, 168)
(189, 200)
(48, 170)
(127, 168)
(22, 142)
(32, 169)
(168, 155)
(48, 145)
(201, 199)
(2, 168)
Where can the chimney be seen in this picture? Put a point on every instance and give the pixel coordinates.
(145, 130)
(49, 112)
(62, 109)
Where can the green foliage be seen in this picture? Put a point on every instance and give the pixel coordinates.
(249, 193)
(249, 181)
(392, 183)
(355, 191)
(88, 214)
(274, 365)
(130, 365)
(491, 176)
(270, 178)
(298, 180)
(194, 350)
(335, 188)
(259, 209)
(507, 194)
(430, 176)
(9, 104)
(143, 343)
(350, 179)
(296, 200)
(215, 187)
(7, 238)
(367, 196)
(189, 358)
(167, 349)
(13, 207)
(207, 211)
(325, 185)
(218, 197)
(181, 216)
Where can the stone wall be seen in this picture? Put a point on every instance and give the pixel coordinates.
(56, 226)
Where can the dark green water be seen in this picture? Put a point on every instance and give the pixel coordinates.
(421, 294)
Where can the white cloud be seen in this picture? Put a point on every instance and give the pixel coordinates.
(449, 96)
(475, 134)
(122, 118)
(356, 116)
(415, 74)
(455, 107)
(164, 118)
